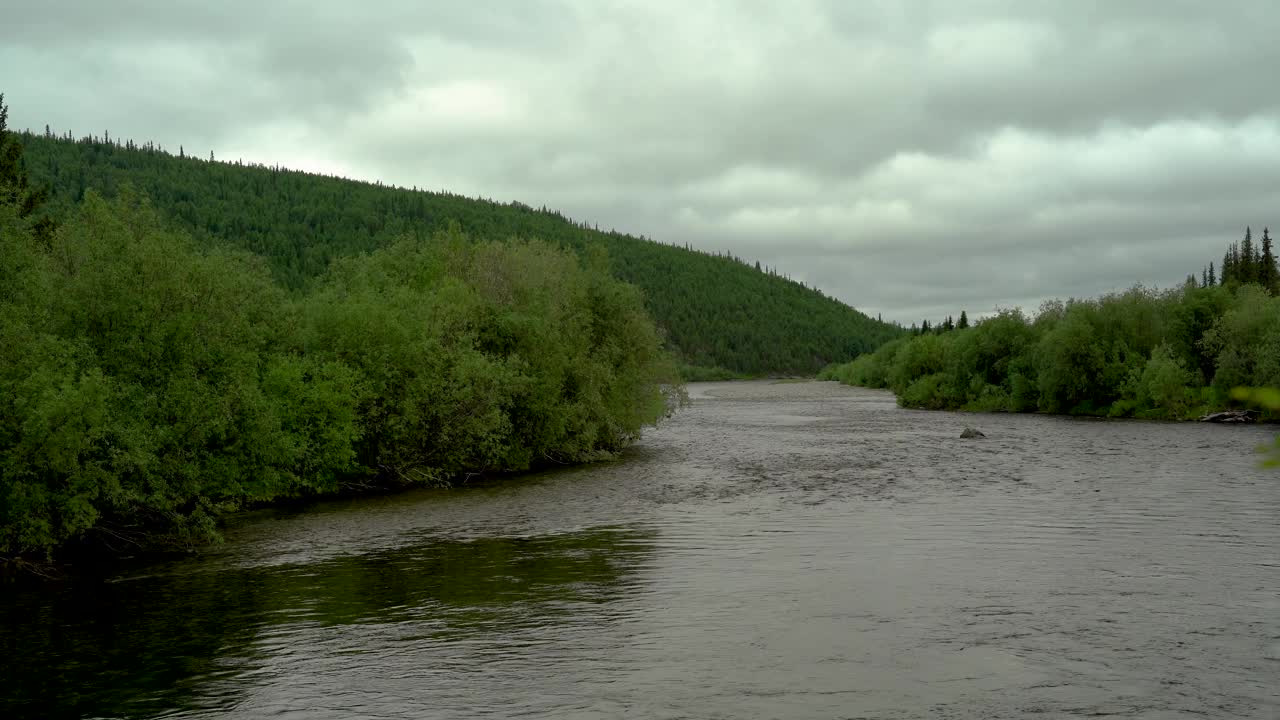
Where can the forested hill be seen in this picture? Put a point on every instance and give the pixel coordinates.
(717, 311)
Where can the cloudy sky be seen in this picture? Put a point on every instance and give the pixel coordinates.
(910, 158)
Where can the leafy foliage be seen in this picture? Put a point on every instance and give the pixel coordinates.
(148, 385)
(1268, 398)
(1172, 354)
(716, 311)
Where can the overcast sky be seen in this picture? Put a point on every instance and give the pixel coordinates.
(909, 158)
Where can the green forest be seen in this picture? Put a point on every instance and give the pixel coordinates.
(151, 382)
(721, 315)
(1173, 354)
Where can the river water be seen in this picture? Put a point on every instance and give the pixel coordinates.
(776, 550)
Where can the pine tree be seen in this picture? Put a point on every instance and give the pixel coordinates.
(15, 188)
(1268, 273)
(964, 321)
(1245, 269)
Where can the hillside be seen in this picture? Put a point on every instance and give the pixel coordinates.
(716, 311)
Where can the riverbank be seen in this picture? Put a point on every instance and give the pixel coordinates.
(1171, 355)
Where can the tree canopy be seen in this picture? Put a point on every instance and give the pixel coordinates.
(1156, 354)
(716, 310)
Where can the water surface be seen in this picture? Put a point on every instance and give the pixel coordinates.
(776, 550)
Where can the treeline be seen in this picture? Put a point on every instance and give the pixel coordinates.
(1141, 353)
(148, 385)
(718, 312)
(1245, 262)
(947, 325)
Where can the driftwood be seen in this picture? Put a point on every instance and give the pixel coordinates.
(1231, 416)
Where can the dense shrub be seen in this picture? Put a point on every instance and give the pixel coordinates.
(148, 386)
(1170, 354)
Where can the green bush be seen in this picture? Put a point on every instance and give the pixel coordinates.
(147, 387)
(1172, 354)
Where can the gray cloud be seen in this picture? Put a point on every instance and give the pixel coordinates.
(910, 158)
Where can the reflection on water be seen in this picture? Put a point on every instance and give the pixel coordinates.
(789, 550)
(195, 637)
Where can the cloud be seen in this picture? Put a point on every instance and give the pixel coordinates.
(910, 158)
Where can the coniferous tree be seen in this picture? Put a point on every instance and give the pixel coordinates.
(1268, 274)
(964, 321)
(1212, 279)
(1246, 270)
(15, 188)
(300, 223)
(1231, 265)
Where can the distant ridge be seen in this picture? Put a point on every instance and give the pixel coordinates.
(717, 311)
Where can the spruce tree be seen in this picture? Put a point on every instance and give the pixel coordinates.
(1246, 270)
(1268, 273)
(964, 321)
(15, 188)
(1212, 280)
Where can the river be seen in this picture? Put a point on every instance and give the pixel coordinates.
(776, 550)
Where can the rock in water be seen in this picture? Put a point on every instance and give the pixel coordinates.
(972, 433)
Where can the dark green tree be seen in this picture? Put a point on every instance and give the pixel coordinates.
(964, 321)
(1246, 270)
(15, 187)
(1268, 274)
(715, 312)
(1213, 280)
